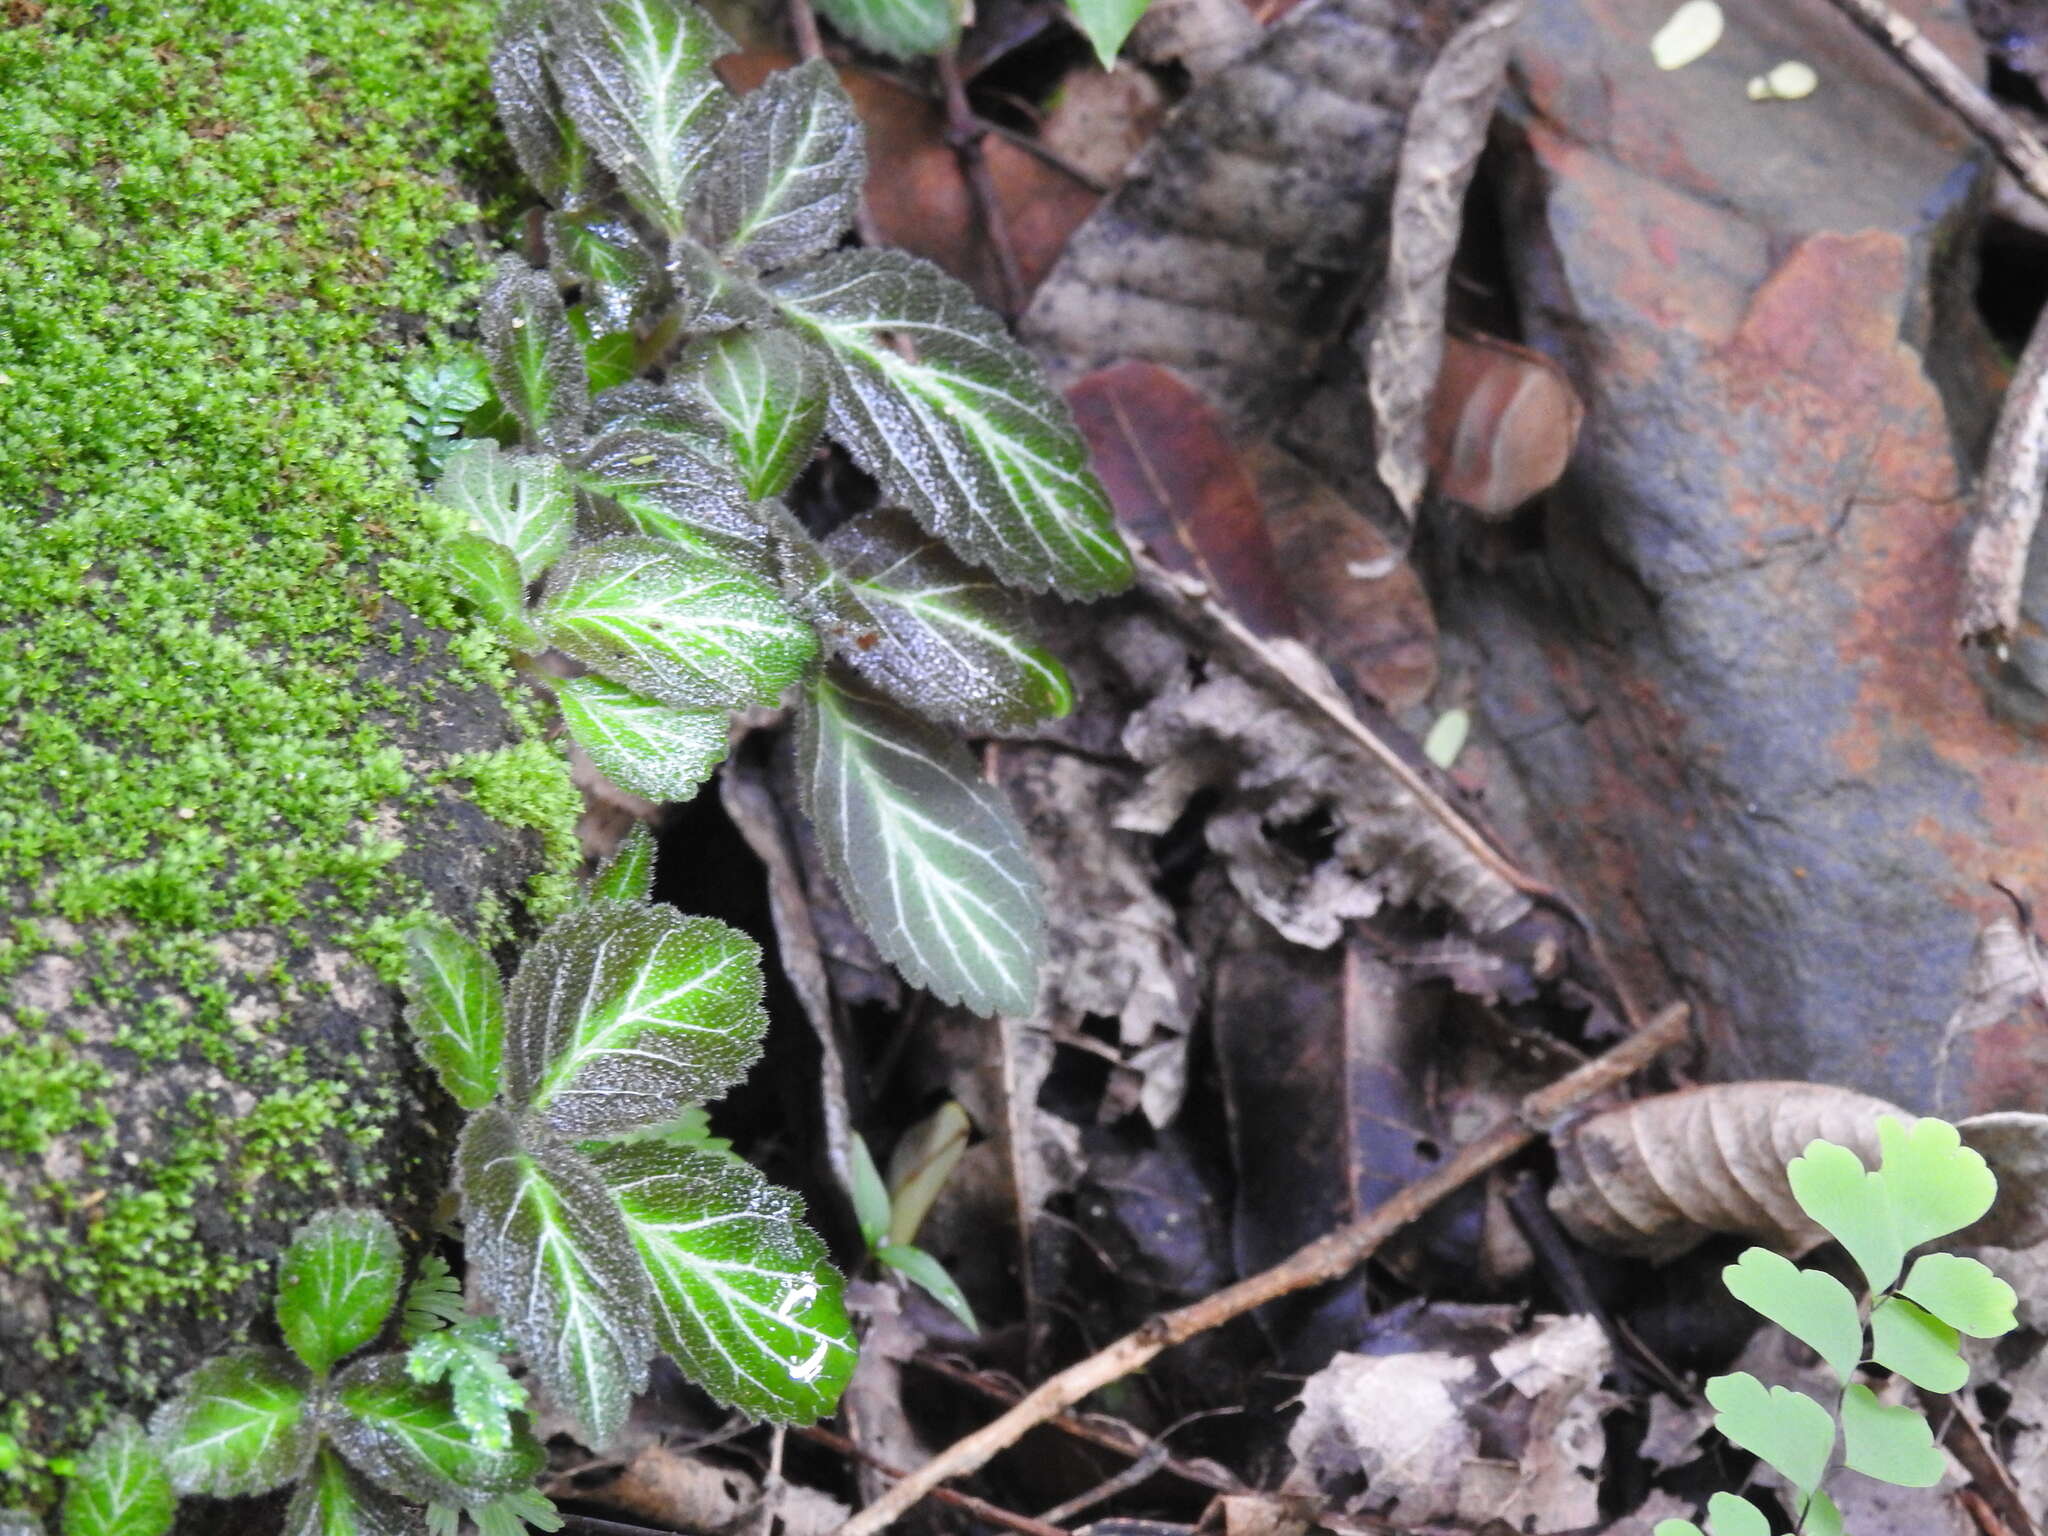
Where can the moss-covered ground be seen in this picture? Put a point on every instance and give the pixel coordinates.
(225, 227)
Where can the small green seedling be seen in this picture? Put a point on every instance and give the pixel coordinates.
(882, 1220)
(1927, 1186)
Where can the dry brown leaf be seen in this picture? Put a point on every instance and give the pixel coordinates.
(1406, 1424)
(1439, 151)
(1656, 1178)
(1244, 230)
(2009, 494)
(687, 1493)
(1201, 36)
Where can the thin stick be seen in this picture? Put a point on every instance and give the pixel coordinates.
(803, 27)
(1989, 1476)
(981, 1509)
(2023, 154)
(964, 132)
(1327, 1258)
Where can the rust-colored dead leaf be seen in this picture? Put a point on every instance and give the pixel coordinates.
(1656, 1178)
(1502, 424)
(1180, 489)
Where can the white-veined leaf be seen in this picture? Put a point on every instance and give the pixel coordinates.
(238, 1424)
(964, 430)
(929, 857)
(711, 296)
(783, 181)
(744, 1297)
(456, 1007)
(336, 1500)
(408, 1439)
(809, 582)
(120, 1487)
(1106, 23)
(618, 274)
(664, 488)
(628, 875)
(949, 641)
(768, 391)
(636, 78)
(483, 574)
(336, 1285)
(905, 28)
(682, 628)
(544, 142)
(520, 500)
(642, 745)
(644, 404)
(550, 1252)
(536, 362)
(622, 1014)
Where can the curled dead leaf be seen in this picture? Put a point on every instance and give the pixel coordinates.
(1502, 424)
(1656, 1178)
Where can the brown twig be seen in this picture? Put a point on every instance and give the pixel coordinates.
(1327, 1258)
(964, 131)
(1095, 1429)
(803, 28)
(981, 1509)
(2024, 155)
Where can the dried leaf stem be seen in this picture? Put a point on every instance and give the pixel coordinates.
(2024, 155)
(1327, 1258)
(964, 132)
(2009, 502)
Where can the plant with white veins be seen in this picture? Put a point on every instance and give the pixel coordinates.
(660, 387)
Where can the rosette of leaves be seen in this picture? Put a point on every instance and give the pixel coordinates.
(364, 1441)
(1909, 1321)
(713, 332)
(596, 1244)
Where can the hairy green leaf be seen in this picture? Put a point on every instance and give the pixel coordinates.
(641, 404)
(914, 1264)
(623, 1013)
(120, 1487)
(1927, 1186)
(610, 360)
(1787, 1429)
(536, 363)
(628, 875)
(745, 1299)
(711, 296)
(336, 1500)
(682, 628)
(950, 642)
(767, 390)
(1813, 1307)
(520, 500)
(963, 430)
(407, 1437)
(810, 583)
(620, 278)
(1963, 1293)
(238, 1424)
(905, 28)
(545, 143)
(928, 855)
(636, 78)
(1106, 23)
(468, 1357)
(336, 1285)
(664, 488)
(456, 1008)
(484, 575)
(642, 745)
(783, 181)
(1891, 1443)
(549, 1251)
(1920, 1347)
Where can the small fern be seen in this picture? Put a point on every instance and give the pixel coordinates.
(439, 398)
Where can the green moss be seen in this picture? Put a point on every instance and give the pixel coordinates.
(225, 225)
(526, 785)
